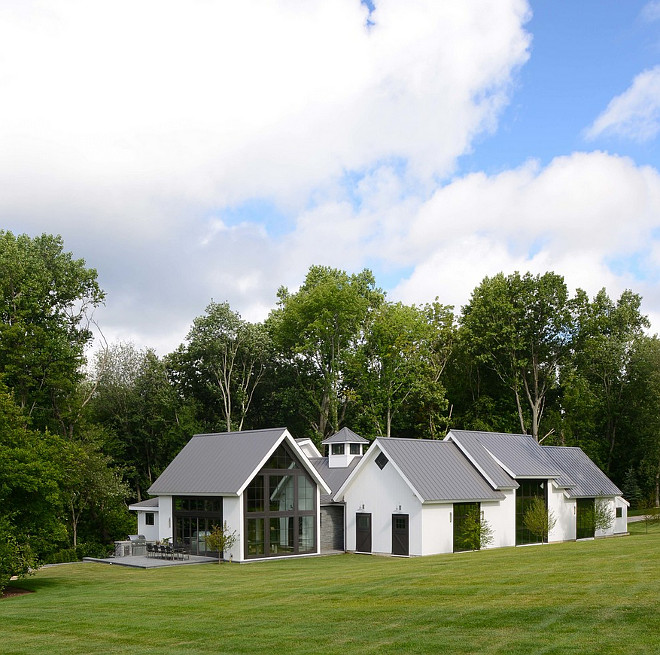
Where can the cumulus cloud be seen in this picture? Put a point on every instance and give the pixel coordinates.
(134, 128)
(576, 216)
(635, 114)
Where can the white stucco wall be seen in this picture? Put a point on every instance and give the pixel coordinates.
(232, 514)
(165, 522)
(437, 529)
(382, 493)
(564, 510)
(621, 524)
(150, 532)
(501, 515)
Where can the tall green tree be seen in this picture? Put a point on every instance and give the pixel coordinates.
(47, 300)
(223, 362)
(145, 421)
(606, 339)
(521, 328)
(398, 365)
(32, 474)
(317, 331)
(642, 422)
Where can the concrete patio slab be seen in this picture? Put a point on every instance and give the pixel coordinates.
(143, 562)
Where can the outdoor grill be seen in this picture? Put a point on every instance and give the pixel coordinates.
(138, 544)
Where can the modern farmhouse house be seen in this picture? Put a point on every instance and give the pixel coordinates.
(403, 497)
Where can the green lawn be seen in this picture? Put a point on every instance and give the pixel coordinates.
(589, 597)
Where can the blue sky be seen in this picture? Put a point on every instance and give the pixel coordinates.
(206, 151)
(582, 55)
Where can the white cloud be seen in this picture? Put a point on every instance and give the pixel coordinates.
(218, 102)
(651, 11)
(129, 127)
(635, 114)
(575, 216)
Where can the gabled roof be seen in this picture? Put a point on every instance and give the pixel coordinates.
(334, 477)
(223, 464)
(150, 503)
(516, 455)
(308, 447)
(344, 436)
(436, 471)
(581, 477)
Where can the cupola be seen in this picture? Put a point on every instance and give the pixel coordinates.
(343, 447)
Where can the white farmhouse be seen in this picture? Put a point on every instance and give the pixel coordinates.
(403, 497)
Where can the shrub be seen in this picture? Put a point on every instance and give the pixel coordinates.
(15, 559)
(538, 520)
(476, 533)
(221, 539)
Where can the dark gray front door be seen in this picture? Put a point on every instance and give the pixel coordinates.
(363, 533)
(400, 534)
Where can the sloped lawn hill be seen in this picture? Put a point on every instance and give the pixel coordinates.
(590, 597)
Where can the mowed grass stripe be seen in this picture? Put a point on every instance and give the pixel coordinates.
(589, 597)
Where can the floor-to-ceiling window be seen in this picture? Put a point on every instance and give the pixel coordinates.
(194, 518)
(525, 494)
(585, 513)
(280, 509)
(464, 538)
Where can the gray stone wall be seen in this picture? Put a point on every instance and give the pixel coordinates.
(332, 528)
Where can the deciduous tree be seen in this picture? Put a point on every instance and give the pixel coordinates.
(521, 326)
(317, 329)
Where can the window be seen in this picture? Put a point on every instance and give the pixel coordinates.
(193, 520)
(356, 449)
(149, 518)
(280, 505)
(525, 494)
(381, 460)
(619, 512)
(337, 448)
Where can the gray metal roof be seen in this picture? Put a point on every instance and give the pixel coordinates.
(150, 503)
(334, 477)
(217, 463)
(437, 470)
(580, 475)
(519, 454)
(344, 436)
(468, 443)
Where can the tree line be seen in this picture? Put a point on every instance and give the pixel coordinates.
(80, 438)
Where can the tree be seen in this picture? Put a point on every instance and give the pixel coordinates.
(16, 559)
(640, 446)
(318, 329)
(476, 533)
(520, 327)
(538, 520)
(397, 366)
(91, 483)
(225, 360)
(607, 339)
(146, 422)
(630, 488)
(32, 472)
(47, 300)
(603, 515)
(221, 539)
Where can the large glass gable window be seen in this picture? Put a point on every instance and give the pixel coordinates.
(280, 509)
